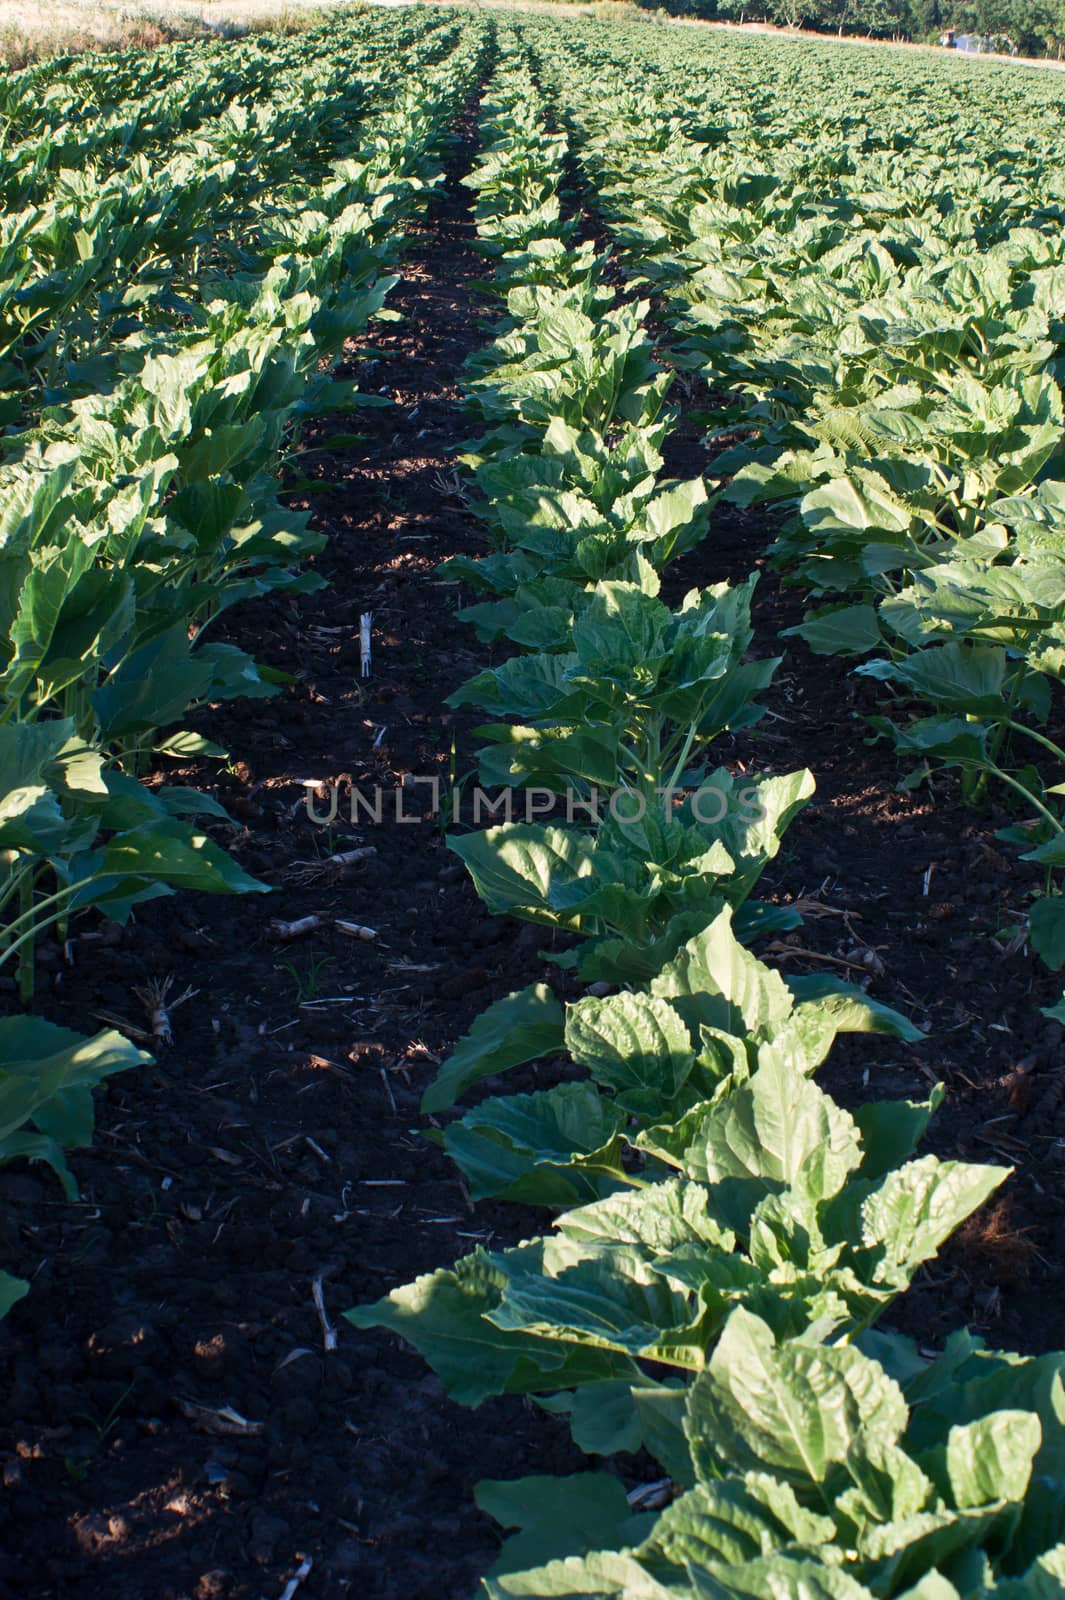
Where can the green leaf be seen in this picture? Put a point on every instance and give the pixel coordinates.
(620, 630)
(1044, 1580)
(950, 738)
(515, 867)
(732, 1522)
(557, 1517)
(1051, 853)
(184, 744)
(839, 630)
(1056, 1013)
(634, 1044)
(793, 1409)
(337, 396)
(604, 1419)
(602, 1575)
(957, 676)
(752, 997)
(26, 749)
(47, 1075)
(779, 1577)
(610, 1299)
(892, 1129)
(662, 1217)
(850, 1009)
(846, 505)
(154, 686)
(521, 1027)
(991, 1458)
(44, 1148)
(760, 811)
(556, 1147)
(661, 1411)
(916, 1209)
(172, 853)
(445, 1315)
(1047, 923)
(933, 1586)
(11, 1291)
(777, 1131)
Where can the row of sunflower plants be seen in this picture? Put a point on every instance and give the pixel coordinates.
(52, 105)
(886, 368)
(727, 1236)
(113, 248)
(103, 116)
(135, 514)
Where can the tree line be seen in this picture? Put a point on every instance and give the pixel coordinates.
(1026, 27)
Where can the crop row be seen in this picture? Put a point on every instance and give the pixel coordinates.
(145, 501)
(728, 1234)
(97, 121)
(884, 358)
(109, 251)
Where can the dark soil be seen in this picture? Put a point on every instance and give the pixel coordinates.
(276, 1143)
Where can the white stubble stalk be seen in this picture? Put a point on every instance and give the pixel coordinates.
(365, 653)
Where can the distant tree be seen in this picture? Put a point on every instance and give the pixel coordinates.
(926, 18)
(794, 13)
(881, 18)
(742, 10)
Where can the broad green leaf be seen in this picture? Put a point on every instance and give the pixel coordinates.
(892, 1129)
(933, 1586)
(793, 1409)
(851, 1009)
(917, 1207)
(515, 867)
(991, 1459)
(173, 853)
(26, 749)
(661, 1409)
(602, 1416)
(957, 676)
(634, 1044)
(555, 1147)
(611, 1299)
(661, 1216)
(445, 1315)
(47, 1075)
(731, 1522)
(778, 1578)
(751, 997)
(777, 1131)
(765, 808)
(184, 744)
(621, 630)
(1047, 923)
(847, 505)
(152, 687)
(1044, 1580)
(839, 630)
(557, 1517)
(603, 1575)
(11, 1291)
(521, 1027)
